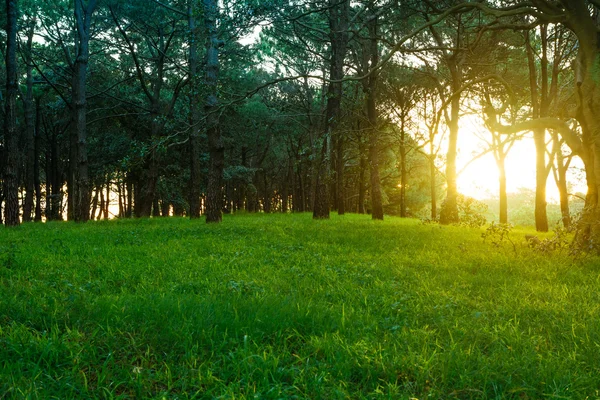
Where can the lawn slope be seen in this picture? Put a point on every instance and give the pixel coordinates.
(281, 306)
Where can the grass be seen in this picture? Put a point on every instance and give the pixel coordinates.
(281, 306)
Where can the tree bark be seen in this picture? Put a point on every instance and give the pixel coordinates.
(502, 192)
(83, 19)
(541, 179)
(339, 176)
(36, 165)
(338, 36)
(11, 186)
(449, 211)
(362, 190)
(403, 177)
(29, 107)
(195, 117)
(432, 176)
(372, 116)
(214, 193)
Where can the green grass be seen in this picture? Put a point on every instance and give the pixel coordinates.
(281, 306)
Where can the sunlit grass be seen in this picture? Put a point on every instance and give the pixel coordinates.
(281, 306)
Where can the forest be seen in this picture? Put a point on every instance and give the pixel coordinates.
(204, 108)
(365, 198)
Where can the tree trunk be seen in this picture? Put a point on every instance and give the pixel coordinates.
(216, 150)
(339, 176)
(362, 190)
(95, 204)
(195, 117)
(403, 172)
(129, 184)
(36, 165)
(564, 199)
(107, 204)
(101, 207)
(503, 195)
(83, 19)
(11, 186)
(433, 186)
(373, 53)
(449, 211)
(29, 108)
(541, 178)
(338, 36)
(321, 198)
(165, 207)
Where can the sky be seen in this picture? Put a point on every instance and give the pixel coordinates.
(480, 178)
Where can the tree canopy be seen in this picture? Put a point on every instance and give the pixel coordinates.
(172, 107)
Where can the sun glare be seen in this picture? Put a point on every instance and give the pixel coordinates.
(480, 178)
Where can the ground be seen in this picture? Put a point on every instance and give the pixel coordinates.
(281, 306)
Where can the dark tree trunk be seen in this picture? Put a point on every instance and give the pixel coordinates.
(83, 19)
(362, 189)
(57, 183)
(267, 201)
(195, 117)
(403, 177)
(36, 164)
(120, 197)
(101, 194)
(95, 204)
(11, 186)
(178, 210)
(155, 207)
(165, 207)
(338, 36)
(29, 107)
(321, 198)
(216, 150)
(129, 184)
(433, 187)
(107, 204)
(376, 201)
(340, 188)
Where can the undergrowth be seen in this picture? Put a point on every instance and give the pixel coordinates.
(281, 306)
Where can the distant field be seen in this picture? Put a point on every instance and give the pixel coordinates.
(281, 306)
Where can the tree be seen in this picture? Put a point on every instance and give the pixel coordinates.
(83, 19)
(11, 188)
(338, 15)
(214, 198)
(195, 116)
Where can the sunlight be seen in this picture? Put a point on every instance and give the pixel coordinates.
(479, 179)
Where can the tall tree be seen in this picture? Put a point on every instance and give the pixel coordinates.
(338, 14)
(370, 88)
(214, 195)
(195, 112)
(11, 187)
(29, 108)
(83, 18)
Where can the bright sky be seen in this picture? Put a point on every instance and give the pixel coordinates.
(480, 178)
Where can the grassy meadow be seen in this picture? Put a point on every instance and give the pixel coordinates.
(284, 307)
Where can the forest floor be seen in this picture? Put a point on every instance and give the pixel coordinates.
(281, 306)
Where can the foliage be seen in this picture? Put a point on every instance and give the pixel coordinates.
(471, 212)
(497, 234)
